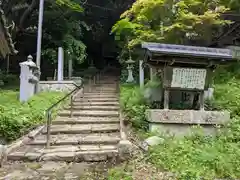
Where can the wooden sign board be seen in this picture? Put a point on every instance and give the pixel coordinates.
(185, 78)
(188, 78)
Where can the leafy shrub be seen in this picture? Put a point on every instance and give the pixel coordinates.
(134, 105)
(16, 118)
(124, 75)
(9, 79)
(227, 96)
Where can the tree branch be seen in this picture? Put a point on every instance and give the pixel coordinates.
(26, 13)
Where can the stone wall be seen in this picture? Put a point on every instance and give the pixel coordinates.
(64, 86)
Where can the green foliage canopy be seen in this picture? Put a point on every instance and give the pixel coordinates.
(171, 21)
(61, 27)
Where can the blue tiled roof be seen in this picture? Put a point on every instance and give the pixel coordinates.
(195, 51)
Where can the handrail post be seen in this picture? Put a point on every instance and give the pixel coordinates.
(48, 128)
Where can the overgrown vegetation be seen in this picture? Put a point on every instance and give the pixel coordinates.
(197, 156)
(17, 118)
(134, 105)
(8, 80)
(194, 22)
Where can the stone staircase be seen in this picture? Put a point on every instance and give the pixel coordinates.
(91, 134)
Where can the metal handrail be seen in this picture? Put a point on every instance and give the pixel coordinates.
(49, 111)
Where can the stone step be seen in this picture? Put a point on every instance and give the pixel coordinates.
(79, 103)
(102, 91)
(83, 128)
(105, 77)
(78, 139)
(94, 108)
(77, 99)
(106, 83)
(100, 87)
(98, 94)
(89, 113)
(107, 88)
(104, 87)
(85, 120)
(87, 153)
(88, 96)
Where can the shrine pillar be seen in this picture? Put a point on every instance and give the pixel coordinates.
(141, 74)
(60, 71)
(153, 72)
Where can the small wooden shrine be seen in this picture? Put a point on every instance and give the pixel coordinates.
(185, 68)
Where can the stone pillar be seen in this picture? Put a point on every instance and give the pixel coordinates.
(70, 69)
(141, 74)
(201, 101)
(166, 99)
(60, 64)
(208, 94)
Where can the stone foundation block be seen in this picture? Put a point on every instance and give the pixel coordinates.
(187, 116)
(180, 122)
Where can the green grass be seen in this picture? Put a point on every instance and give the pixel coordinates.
(198, 157)
(17, 118)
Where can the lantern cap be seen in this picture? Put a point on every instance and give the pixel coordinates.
(130, 61)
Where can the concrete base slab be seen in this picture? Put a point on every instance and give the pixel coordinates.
(187, 116)
(180, 130)
(180, 122)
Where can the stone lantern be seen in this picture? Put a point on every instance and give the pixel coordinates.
(28, 79)
(130, 66)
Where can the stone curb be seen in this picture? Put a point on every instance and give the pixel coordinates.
(23, 140)
(71, 156)
(122, 132)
